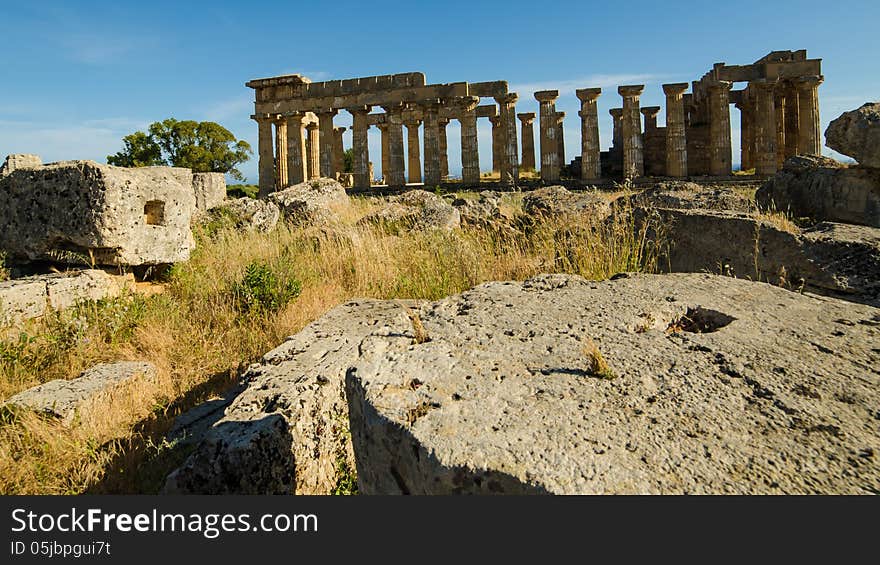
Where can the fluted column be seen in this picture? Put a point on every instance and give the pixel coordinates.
(338, 151)
(617, 128)
(779, 113)
(591, 168)
(383, 130)
(764, 128)
(719, 129)
(792, 120)
(633, 149)
(431, 111)
(314, 160)
(413, 155)
(296, 149)
(444, 150)
(809, 137)
(266, 150)
(510, 147)
(676, 142)
(395, 176)
(325, 124)
(528, 141)
(549, 148)
(650, 114)
(745, 124)
(560, 139)
(360, 148)
(496, 141)
(470, 154)
(280, 152)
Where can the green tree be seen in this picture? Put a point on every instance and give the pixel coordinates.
(348, 161)
(204, 147)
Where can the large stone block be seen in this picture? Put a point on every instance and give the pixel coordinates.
(415, 210)
(209, 189)
(111, 215)
(66, 399)
(824, 189)
(19, 161)
(663, 384)
(857, 133)
(314, 202)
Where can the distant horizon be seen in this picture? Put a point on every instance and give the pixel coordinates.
(84, 77)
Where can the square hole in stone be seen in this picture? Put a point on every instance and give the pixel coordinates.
(154, 213)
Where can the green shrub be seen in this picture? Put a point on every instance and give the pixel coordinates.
(242, 190)
(263, 289)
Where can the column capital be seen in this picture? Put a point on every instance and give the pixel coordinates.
(327, 113)
(311, 126)
(616, 113)
(509, 98)
(263, 117)
(809, 82)
(546, 95)
(495, 120)
(444, 121)
(527, 117)
(412, 122)
(650, 111)
(762, 84)
(588, 94)
(559, 117)
(359, 110)
(631, 90)
(675, 88)
(340, 129)
(465, 104)
(719, 85)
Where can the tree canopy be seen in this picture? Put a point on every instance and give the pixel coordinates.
(204, 147)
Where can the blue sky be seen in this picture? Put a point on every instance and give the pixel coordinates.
(78, 75)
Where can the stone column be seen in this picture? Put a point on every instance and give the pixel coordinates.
(383, 129)
(591, 168)
(280, 153)
(496, 142)
(265, 145)
(745, 146)
(633, 150)
(792, 120)
(414, 158)
(510, 148)
(432, 143)
(528, 141)
(359, 146)
(779, 105)
(325, 124)
(314, 150)
(470, 154)
(676, 143)
(617, 122)
(444, 150)
(296, 149)
(650, 114)
(338, 151)
(549, 148)
(764, 127)
(560, 139)
(809, 137)
(395, 176)
(719, 129)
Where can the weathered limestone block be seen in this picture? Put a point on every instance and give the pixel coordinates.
(833, 259)
(30, 297)
(250, 214)
(857, 133)
(415, 210)
(824, 189)
(312, 202)
(484, 211)
(19, 161)
(210, 190)
(708, 390)
(558, 201)
(120, 216)
(66, 399)
(287, 431)
(688, 195)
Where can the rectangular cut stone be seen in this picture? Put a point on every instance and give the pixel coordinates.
(371, 98)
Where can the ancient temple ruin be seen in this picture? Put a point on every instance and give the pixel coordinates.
(779, 116)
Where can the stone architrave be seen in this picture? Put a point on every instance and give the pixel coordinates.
(549, 148)
(719, 129)
(633, 149)
(676, 142)
(528, 141)
(591, 168)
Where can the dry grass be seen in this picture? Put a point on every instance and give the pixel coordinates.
(200, 338)
(780, 220)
